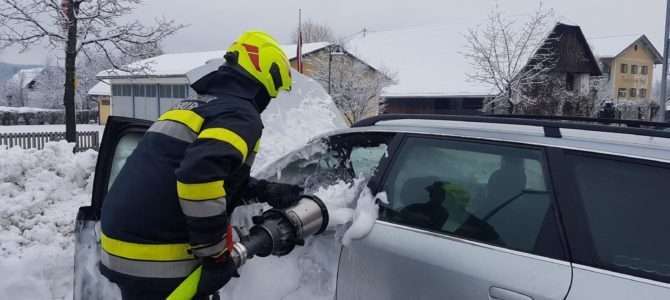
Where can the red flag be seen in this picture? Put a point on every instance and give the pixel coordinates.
(299, 51)
(65, 6)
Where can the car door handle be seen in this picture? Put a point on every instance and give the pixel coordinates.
(497, 293)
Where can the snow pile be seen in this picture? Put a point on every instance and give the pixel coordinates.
(294, 118)
(40, 192)
(309, 272)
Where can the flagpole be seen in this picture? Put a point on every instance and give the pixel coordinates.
(300, 68)
(664, 77)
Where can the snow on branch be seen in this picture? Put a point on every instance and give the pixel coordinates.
(102, 27)
(510, 56)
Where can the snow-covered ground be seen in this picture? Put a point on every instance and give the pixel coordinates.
(25, 109)
(41, 190)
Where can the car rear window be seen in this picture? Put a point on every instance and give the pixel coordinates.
(627, 205)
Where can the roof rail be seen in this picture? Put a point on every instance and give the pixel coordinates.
(551, 125)
(626, 123)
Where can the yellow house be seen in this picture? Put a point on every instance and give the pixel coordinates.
(628, 65)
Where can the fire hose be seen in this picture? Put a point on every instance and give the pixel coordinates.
(275, 232)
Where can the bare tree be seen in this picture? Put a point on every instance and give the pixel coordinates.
(354, 86)
(80, 27)
(500, 52)
(313, 32)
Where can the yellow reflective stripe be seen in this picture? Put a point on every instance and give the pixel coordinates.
(226, 136)
(201, 191)
(257, 147)
(186, 117)
(187, 289)
(151, 252)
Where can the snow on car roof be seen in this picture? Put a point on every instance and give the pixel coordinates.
(178, 64)
(612, 46)
(426, 60)
(102, 88)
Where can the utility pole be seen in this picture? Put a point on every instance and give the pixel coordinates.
(330, 63)
(664, 78)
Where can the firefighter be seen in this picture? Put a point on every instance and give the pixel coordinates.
(167, 211)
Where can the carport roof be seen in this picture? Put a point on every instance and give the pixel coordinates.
(178, 64)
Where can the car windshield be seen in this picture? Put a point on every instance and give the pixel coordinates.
(329, 160)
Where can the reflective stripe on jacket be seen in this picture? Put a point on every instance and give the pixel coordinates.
(169, 203)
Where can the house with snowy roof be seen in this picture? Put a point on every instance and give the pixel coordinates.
(628, 63)
(557, 79)
(35, 87)
(157, 84)
(26, 78)
(429, 72)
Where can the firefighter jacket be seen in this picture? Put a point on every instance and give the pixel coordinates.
(171, 201)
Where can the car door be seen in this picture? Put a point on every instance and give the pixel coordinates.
(120, 138)
(465, 219)
(616, 218)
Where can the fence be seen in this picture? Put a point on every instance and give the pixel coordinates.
(37, 140)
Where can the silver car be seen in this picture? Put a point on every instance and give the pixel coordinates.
(485, 207)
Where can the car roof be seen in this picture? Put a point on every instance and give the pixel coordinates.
(635, 139)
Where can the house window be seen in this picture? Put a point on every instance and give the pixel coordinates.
(633, 69)
(633, 93)
(442, 105)
(643, 93)
(624, 68)
(570, 82)
(115, 90)
(622, 93)
(138, 90)
(127, 90)
(165, 91)
(179, 91)
(150, 91)
(644, 70)
(473, 104)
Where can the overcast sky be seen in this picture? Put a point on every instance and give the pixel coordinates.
(214, 23)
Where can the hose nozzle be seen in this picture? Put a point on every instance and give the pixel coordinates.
(278, 231)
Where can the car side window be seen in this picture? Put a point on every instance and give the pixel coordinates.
(484, 192)
(626, 205)
(331, 159)
(124, 148)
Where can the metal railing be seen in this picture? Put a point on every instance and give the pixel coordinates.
(36, 140)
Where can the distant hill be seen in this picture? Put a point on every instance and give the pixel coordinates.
(8, 70)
